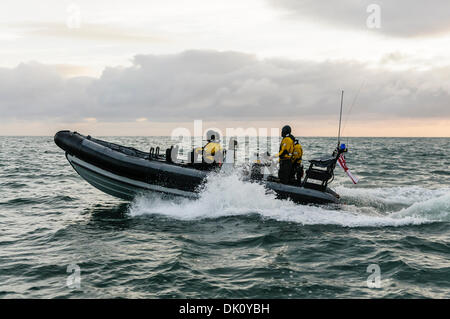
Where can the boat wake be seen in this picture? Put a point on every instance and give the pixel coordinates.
(230, 196)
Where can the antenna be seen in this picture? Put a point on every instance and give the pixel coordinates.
(340, 119)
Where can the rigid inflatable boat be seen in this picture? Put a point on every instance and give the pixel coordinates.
(125, 172)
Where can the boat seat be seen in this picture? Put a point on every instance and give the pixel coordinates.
(318, 174)
(323, 162)
(321, 171)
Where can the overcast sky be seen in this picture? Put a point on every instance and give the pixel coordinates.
(145, 67)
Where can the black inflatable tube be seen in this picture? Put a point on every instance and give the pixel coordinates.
(154, 171)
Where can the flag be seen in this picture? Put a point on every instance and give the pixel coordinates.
(343, 164)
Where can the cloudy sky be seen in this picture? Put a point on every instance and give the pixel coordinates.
(145, 67)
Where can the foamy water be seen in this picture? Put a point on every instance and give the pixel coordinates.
(228, 195)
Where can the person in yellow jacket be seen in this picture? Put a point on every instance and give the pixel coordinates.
(285, 155)
(297, 167)
(212, 152)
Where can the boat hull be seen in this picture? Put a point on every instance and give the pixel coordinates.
(119, 186)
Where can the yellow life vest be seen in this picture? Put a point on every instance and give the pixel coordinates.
(297, 154)
(209, 151)
(286, 148)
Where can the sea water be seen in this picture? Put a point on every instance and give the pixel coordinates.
(390, 237)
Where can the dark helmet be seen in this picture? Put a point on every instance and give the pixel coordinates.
(286, 130)
(212, 135)
(296, 141)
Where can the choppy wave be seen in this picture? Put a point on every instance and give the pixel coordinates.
(229, 196)
(436, 209)
(406, 195)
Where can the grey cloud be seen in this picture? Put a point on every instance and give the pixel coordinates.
(213, 85)
(402, 18)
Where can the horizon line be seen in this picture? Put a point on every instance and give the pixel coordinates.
(313, 136)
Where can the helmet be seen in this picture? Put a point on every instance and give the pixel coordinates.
(343, 147)
(296, 141)
(212, 135)
(286, 130)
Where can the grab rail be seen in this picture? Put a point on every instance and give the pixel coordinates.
(151, 153)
